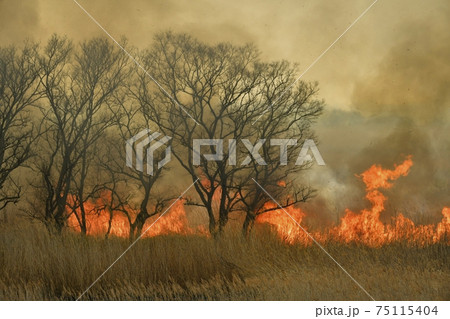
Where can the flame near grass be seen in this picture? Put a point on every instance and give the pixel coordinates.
(364, 227)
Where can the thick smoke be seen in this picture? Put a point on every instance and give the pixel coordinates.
(412, 81)
(16, 19)
(412, 85)
(401, 108)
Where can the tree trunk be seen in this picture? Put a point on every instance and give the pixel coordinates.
(83, 226)
(136, 227)
(248, 224)
(212, 221)
(223, 219)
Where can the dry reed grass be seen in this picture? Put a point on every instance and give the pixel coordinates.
(37, 266)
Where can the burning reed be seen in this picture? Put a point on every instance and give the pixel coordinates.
(361, 228)
(177, 261)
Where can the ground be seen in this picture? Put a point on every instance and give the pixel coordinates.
(37, 266)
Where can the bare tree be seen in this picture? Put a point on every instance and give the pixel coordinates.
(139, 191)
(214, 86)
(286, 123)
(225, 89)
(79, 84)
(19, 90)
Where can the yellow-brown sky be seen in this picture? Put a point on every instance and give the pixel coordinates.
(295, 30)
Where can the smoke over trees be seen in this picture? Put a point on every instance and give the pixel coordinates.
(19, 91)
(89, 98)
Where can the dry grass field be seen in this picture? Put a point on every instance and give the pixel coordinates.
(36, 266)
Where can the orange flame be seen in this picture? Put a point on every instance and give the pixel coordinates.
(173, 221)
(281, 183)
(284, 224)
(366, 227)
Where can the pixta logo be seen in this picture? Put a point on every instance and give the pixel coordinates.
(146, 143)
(253, 151)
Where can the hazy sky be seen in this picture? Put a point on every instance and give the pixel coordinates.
(295, 30)
(385, 82)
